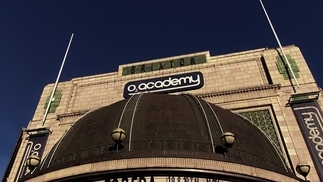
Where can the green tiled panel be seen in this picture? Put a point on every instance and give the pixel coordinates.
(55, 103)
(300, 97)
(281, 66)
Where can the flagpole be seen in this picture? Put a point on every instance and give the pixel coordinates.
(277, 39)
(57, 79)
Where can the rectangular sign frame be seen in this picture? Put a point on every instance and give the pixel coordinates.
(35, 146)
(309, 116)
(166, 84)
(163, 65)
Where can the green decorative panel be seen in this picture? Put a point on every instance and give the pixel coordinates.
(55, 102)
(300, 98)
(283, 70)
(263, 120)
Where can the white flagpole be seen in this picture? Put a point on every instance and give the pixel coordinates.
(277, 39)
(55, 86)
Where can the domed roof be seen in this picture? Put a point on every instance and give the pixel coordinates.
(160, 125)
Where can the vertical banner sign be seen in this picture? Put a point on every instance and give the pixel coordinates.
(310, 119)
(35, 146)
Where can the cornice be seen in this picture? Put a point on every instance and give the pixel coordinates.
(240, 90)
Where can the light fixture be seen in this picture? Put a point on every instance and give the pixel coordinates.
(303, 169)
(227, 139)
(32, 161)
(118, 135)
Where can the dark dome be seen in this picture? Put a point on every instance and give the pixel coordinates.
(159, 125)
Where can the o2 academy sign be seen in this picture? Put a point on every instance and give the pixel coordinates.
(167, 84)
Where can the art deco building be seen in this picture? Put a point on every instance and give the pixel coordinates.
(245, 116)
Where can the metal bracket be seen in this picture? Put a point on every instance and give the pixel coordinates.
(37, 131)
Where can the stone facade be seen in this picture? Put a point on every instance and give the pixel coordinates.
(242, 82)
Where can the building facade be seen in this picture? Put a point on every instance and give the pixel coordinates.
(283, 102)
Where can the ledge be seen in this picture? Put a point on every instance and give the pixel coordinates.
(240, 90)
(207, 168)
(71, 114)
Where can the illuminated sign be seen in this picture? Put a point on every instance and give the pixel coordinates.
(309, 117)
(167, 84)
(174, 63)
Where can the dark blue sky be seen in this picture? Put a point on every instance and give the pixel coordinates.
(34, 36)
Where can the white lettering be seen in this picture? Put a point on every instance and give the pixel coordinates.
(175, 82)
(159, 84)
(314, 133)
(190, 79)
(169, 81)
(142, 86)
(150, 87)
(163, 85)
(37, 146)
(131, 88)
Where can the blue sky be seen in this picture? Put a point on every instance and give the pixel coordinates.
(34, 36)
